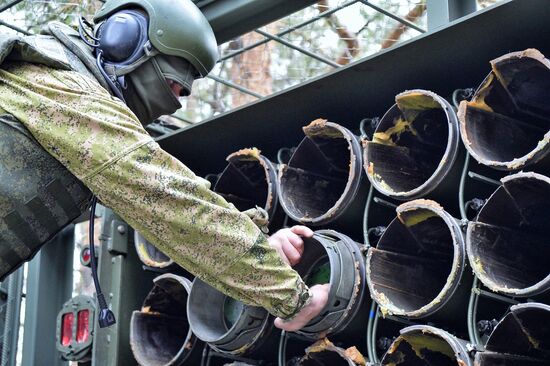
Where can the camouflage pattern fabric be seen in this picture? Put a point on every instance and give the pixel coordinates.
(38, 196)
(104, 145)
(260, 217)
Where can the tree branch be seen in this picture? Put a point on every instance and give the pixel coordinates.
(395, 34)
(349, 38)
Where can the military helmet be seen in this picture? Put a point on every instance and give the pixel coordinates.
(176, 28)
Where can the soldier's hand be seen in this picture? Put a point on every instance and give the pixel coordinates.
(289, 244)
(308, 312)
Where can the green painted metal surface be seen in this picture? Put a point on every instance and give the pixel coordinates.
(231, 18)
(125, 285)
(49, 285)
(11, 291)
(455, 56)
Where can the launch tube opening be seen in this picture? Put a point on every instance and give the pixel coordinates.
(249, 180)
(333, 258)
(506, 125)
(508, 243)
(227, 325)
(323, 175)
(149, 254)
(424, 345)
(413, 147)
(418, 262)
(324, 352)
(521, 338)
(160, 332)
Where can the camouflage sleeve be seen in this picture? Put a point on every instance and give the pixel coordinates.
(103, 144)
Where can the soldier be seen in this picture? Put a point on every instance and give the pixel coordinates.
(73, 106)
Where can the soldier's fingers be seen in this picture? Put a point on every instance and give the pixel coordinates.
(281, 233)
(296, 241)
(277, 243)
(291, 253)
(302, 231)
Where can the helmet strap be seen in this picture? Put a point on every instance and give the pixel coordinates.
(126, 69)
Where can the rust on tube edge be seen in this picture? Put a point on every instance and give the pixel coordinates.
(252, 152)
(319, 128)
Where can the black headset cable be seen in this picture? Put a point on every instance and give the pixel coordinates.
(106, 317)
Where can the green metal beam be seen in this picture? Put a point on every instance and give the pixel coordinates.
(441, 12)
(231, 84)
(232, 18)
(298, 48)
(11, 294)
(49, 286)
(454, 56)
(403, 21)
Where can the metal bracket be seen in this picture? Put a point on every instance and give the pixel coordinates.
(118, 244)
(441, 12)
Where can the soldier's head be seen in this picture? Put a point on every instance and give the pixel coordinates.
(152, 50)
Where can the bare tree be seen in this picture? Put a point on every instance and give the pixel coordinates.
(347, 36)
(395, 34)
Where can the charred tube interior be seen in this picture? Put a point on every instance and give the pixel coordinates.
(249, 180)
(522, 338)
(331, 257)
(149, 254)
(159, 333)
(508, 243)
(422, 345)
(323, 175)
(227, 325)
(325, 352)
(506, 125)
(418, 262)
(414, 145)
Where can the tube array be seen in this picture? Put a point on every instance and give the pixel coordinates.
(431, 258)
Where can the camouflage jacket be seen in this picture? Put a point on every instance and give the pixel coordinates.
(98, 139)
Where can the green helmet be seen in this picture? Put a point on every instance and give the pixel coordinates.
(176, 28)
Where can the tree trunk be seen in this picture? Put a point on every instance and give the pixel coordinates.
(251, 69)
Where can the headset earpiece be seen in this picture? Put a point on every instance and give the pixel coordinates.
(122, 37)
